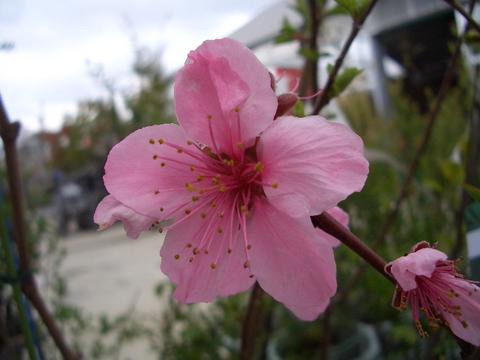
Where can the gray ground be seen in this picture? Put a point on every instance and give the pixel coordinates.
(107, 273)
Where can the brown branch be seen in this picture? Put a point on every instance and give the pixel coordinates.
(9, 133)
(454, 4)
(309, 84)
(472, 174)
(331, 226)
(250, 323)
(326, 94)
(326, 334)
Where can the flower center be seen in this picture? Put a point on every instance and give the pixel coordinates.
(222, 189)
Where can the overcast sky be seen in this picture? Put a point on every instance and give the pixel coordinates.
(47, 71)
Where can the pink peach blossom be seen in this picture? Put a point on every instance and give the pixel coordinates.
(429, 282)
(110, 210)
(237, 186)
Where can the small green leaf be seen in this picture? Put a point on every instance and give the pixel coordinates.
(309, 54)
(299, 109)
(355, 8)
(452, 172)
(473, 191)
(336, 10)
(344, 79)
(287, 33)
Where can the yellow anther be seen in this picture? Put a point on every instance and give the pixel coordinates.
(237, 109)
(213, 266)
(151, 141)
(206, 252)
(240, 146)
(215, 181)
(189, 142)
(222, 188)
(213, 205)
(179, 150)
(243, 209)
(161, 141)
(190, 187)
(177, 257)
(246, 265)
(195, 251)
(259, 167)
(200, 178)
(275, 185)
(195, 198)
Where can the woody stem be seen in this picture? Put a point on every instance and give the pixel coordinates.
(328, 224)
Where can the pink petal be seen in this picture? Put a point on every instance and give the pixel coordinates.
(422, 262)
(469, 302)
(218, 77)
(288, 263)
(110, 210)
(315, 163)
(339, 215)
(196, 280)
(137, 179)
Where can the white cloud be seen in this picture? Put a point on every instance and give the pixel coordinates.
(46, 72)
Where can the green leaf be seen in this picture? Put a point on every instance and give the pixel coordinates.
(309, 54)
(452, 172)
(344, 78)
(473, 191)
(355, 8)
(287, 33)
(299, 109)
(336, 10)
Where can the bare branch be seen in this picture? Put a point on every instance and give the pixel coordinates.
(454, 4)
(326, 95)
(9, 133)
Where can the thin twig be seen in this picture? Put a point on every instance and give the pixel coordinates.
(251, 322)
(427, 133)
(9, 133)
(326, 334)
(326, 94)
(472, 175)
(331, 226)
(454, 4)
(309, 83)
